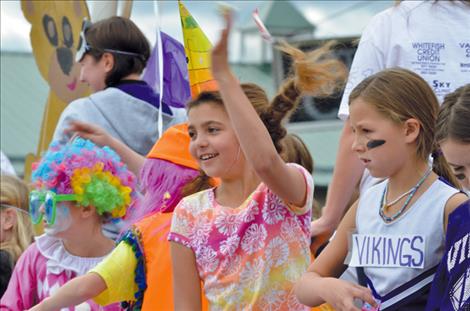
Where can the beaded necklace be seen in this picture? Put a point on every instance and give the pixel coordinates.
(412, 191)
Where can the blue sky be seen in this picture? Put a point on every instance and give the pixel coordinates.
(333, 19)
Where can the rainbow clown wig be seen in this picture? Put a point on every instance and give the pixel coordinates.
(96, 175)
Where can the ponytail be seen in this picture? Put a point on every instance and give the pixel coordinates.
(442, 168)
(315, 74)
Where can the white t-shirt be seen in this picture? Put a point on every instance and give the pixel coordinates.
(427, 37)
(5, 165)
(430, 38)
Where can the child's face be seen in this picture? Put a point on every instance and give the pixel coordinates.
(378, 141)
(93, 72)
(213, 141)
(457, 155)
(63, 219)
(6, 223)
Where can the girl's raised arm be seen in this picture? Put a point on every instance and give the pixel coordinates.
(314, 74)
(253, 136)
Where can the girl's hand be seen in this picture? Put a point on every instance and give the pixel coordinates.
(322, 226)
(219, 54)
(89, 131)
(341, 294)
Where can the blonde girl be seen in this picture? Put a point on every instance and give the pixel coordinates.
(16, 232)
(248, 238)
(396, 230)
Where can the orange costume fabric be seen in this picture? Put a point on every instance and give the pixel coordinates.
(149, 236)
(151, 233)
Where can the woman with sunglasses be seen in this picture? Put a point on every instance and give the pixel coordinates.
(78, 186)
(113, 54)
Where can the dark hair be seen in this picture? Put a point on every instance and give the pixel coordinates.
(119, 33)
(453, 120)
(400, 94)
(199, 183)
(314, 73)
(6, 269)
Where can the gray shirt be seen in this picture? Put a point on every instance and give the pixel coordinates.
(129, 119)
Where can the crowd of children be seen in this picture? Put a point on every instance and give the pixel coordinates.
(220, 214)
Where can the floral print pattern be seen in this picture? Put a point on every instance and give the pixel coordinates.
(261, 247)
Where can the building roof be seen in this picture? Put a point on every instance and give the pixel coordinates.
(281, 18)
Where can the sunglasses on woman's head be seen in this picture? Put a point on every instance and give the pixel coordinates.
(49, 199)
(84, 47)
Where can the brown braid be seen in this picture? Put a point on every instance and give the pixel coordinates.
(315, 73)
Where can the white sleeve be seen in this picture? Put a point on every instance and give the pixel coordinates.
(5, 165)
(368, 60)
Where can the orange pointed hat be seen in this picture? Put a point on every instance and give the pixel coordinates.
(173, 146)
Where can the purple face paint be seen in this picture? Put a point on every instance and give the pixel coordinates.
(375, 143)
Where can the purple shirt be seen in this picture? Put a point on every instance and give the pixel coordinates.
(451, 286)
(141, 90)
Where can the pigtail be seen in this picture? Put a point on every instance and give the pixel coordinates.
(281, 107)
(442, 168)
(315, 74)
(201, 182)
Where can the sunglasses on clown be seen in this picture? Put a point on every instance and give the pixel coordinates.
(49, 199)
(84, 47)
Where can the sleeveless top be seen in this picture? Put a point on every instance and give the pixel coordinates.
(399, 259)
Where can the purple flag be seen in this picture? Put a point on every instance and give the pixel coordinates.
(176, 91)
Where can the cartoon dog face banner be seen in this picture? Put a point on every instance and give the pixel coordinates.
(55, 33)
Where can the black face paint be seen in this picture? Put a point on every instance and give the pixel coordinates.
(375, 143)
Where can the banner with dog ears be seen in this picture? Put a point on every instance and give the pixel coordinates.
(55, 30)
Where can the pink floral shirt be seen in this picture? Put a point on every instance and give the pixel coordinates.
(41, 270)
(248, 257)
